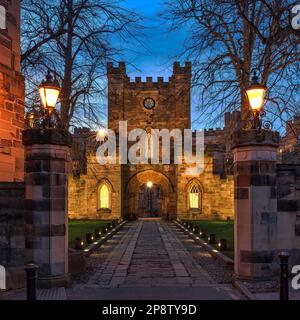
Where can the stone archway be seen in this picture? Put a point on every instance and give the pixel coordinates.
(167, 203)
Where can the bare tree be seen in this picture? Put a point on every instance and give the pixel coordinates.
(227, 40)
(74, 39)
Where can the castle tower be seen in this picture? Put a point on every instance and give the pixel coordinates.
(11, 96)
(157, 104)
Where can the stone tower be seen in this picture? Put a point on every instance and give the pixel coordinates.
(11, 96)
(169, 105)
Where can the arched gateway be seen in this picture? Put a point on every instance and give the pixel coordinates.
(149, 193)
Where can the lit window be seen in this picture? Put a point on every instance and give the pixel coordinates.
(104, 197)
(194, 198)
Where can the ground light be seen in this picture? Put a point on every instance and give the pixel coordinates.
(89, 238)
(96, 233)
(211, 238)
(78, 244)
(222, 245)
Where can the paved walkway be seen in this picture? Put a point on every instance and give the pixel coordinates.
(42, 294)
(152, 259)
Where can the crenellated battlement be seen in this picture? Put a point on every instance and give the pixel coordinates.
(159, 82)
(82, 132)
(178, 69)
(213, 131)
(119, 70)
(149, 83)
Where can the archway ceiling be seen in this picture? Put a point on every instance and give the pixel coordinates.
(143, 177)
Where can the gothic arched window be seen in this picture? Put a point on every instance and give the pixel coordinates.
(104, 197)
(194, 197)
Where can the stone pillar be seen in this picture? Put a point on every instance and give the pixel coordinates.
(255, 225)
(12, 242)
(47, 164)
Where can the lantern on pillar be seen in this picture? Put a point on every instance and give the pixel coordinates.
(256, 93)
(49, 91)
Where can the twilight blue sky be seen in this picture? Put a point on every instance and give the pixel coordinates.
(161, 49)
(161, 46)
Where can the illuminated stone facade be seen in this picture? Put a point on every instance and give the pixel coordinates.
(11, 97)
(12, 188)
(169, 108)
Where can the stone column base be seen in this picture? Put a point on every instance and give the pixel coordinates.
(48, 282)
(255, 279)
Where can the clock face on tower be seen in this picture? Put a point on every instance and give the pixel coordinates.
(149, 103)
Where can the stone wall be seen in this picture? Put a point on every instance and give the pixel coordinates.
(125, 181)
(12, 230)
(288, 206)
(11, 97)
(217, 193)
(83, 191)
(291, 137)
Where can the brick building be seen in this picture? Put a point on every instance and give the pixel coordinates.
(114, 190)
(12, 188)
(11, 96)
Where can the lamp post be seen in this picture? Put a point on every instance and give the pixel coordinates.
(284, 275)
(256, 93)
(48, 144)
(254, 146)
(31, 280)
(49, 91)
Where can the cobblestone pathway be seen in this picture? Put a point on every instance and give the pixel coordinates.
(152, 259)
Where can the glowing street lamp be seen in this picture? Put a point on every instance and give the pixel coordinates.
(256, 93)
(49, 91)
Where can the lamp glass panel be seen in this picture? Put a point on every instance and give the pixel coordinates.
(49, 96)
(256, 98)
